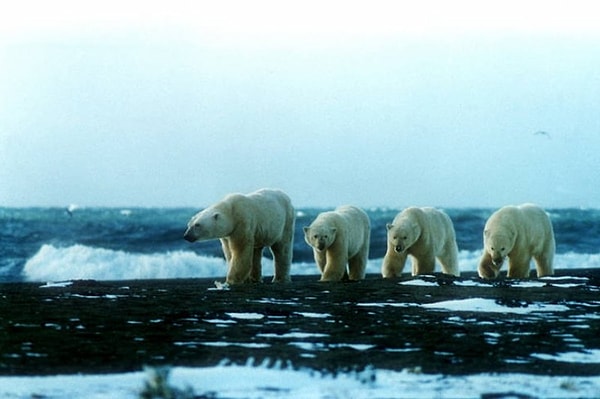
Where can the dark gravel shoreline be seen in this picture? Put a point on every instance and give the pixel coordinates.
(119, 326)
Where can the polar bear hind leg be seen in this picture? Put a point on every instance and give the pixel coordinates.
(543, 265)
(544, 262)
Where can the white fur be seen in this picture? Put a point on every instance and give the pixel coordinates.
(426, 234)
(246, 224)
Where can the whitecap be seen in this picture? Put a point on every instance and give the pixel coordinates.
(60, 284)
(80, 262)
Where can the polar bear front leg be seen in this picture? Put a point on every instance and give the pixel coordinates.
(518, 267)
(335, 268)
(256, 269)
(357, 267)
(543, 264)
(226, 249)
(320, 259)
(240, 265)
(393, 264)
(423, 265)
(486, 268)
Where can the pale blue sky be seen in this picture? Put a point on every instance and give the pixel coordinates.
(370, 103)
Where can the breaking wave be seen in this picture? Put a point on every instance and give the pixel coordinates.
(52, 263)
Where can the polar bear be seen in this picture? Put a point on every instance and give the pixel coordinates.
(246, 224)
(425, 234)
(339, 238)
(519, 233)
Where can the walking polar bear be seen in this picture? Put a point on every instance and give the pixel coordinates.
(519, 233)
(425, 234)
(246, 224)
(339, 238)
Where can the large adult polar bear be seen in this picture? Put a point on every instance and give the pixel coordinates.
(519, 233)
(425, 234)
(340, 237)
(246, 224)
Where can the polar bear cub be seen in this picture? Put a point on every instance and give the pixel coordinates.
(518, 233)
(246, 224)
(425, 234)
(339, 238)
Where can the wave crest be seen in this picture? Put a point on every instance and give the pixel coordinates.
(75, 262)
(80, 262)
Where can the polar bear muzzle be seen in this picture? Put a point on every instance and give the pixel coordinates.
(189, 235)
(498, 261)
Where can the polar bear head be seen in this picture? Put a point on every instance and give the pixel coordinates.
(213, 222)
(402, 234)
(320, 236)
(498, 245)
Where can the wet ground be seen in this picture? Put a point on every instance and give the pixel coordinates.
(432, 324)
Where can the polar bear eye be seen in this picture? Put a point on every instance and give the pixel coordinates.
(404, 238)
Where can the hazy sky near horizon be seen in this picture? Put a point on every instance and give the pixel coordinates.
(374, 103)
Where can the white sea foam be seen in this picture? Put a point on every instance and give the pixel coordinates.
(82, 262)
(78, 262)
(274, 382)
(75, 262)
(60, 284)
(469, 260)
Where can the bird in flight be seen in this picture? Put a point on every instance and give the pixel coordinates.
(542, 133)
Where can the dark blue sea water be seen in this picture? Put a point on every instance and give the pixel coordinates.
(55, 244)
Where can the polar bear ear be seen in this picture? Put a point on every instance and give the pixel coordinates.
(215, 216)
(389, 226)
(306, 229)
(486, 233)
(333, 230)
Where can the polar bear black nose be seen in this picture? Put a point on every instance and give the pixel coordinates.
(399, 248)
(188, 236)
(497, 261)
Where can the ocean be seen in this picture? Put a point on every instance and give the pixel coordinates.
(58, 244)
(92, 296)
